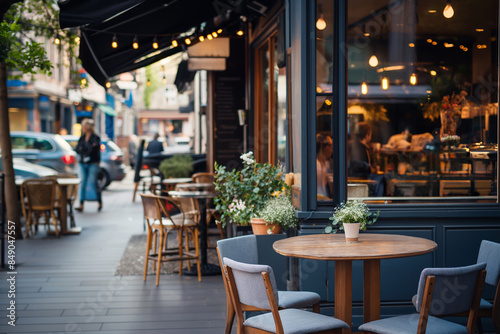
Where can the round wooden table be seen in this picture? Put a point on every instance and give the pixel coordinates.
(370, 248)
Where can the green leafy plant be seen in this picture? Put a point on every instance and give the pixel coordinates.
(242, 194)
(177, 166)
(280, 211)
(350, 212)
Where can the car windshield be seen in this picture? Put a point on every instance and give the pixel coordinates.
(63, 143)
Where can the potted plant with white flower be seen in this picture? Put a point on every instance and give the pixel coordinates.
(277, 213)
(351, 217)
(242, 193)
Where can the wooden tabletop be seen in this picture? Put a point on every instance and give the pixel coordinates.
(195, 186)
(370, 246)
(192, 194)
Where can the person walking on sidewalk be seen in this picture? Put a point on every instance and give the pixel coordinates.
(89, 149)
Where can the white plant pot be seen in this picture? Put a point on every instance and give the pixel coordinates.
(351, 232)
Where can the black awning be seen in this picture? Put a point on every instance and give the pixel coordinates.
(144, 20)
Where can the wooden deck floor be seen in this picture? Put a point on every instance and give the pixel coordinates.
(68, 285)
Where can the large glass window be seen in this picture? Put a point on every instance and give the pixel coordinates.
(422, 100)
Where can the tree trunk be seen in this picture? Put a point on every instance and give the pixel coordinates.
(11, 196)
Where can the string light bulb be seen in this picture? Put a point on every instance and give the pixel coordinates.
(209, 37)
(214, 34)
(364, 88)
(164, 80)
(187, 41)
(240, 32)
(373, 61)
(448, 11)
(219, 31)
(320, 23)
(155, 43)
(385, 83)
(135, 44)
(175, 44)
(114, 42)
(201, 38)
(108, 84)
(57, 40)
(413, 79)
(148, 83)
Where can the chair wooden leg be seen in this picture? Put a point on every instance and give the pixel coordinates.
(136, 185)
(197, 252)
(229, 317)
(187, 246)
(148, 249)
(180, 234)
(158, 265)
(316, 308)
(28, 225)
(55, 223)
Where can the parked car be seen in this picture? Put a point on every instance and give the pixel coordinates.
(26, 170)
(112, 167)
(44, 149)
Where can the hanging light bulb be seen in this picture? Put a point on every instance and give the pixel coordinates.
(209, 37)
(108, 84)
(219, 31)
(57, 40)
(175, 44)
(448, 11)
(201, 38)
(364, 88)
(164, 80)
(240, 32)
(135, 44)
(321, 24)
(385, 83)
(148, 83)
(373, 61)
(214, 34)
(114, 42)
(187, 41)
(413, 79)
(155, 43)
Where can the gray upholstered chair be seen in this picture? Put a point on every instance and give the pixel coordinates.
(489, 252)
(246, 249)
(441, 291)
(253, 286)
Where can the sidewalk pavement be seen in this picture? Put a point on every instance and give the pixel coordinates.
(68, 284)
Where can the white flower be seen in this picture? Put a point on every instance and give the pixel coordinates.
(248, 158)
(237, 205)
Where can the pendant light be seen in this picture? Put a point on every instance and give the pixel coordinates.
(413, 79)
(155, 43)
(373, 61)
(364, 88)
(320, 24)
(385, 83)
(114, 42)
(135, 44)
(448, 11)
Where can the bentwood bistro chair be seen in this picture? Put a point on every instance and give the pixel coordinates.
(253, 287)
(40, 195)
(160, 222)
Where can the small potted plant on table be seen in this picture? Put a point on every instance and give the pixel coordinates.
(351, 217)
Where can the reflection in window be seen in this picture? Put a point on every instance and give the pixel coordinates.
(423, 109)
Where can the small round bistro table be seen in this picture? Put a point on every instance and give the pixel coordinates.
(172, 182)
(202, 197)
(370, 248)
